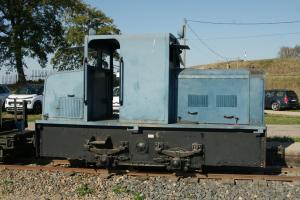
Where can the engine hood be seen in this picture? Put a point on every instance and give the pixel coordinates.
(21, 96)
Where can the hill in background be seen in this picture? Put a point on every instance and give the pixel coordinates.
(280, 73)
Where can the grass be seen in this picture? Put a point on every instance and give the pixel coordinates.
(31, 117)
(136, 195)
(284, 139)
(282, 82)
(281, 119)
(280, 73)
(84, 190)
(6, 186)
(294, 110)
(119, 190)
(7, 182)
(271, 66)
(296, 139)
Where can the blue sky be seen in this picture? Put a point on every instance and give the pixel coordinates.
(156, 16)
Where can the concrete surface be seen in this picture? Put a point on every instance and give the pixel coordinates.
(293, 149)
(292, 155)
(283, 130)
(288, 113)
(31, 126)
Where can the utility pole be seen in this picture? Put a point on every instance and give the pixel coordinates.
(184, 40)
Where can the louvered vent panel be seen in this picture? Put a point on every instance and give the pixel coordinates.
(70, 107)
(226, 101)
(197, 100)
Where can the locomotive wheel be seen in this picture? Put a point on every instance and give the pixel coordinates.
(275, 106)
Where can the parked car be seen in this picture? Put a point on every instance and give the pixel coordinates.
(31, 93)
(116, 101)
(281, 99)
(4, 93)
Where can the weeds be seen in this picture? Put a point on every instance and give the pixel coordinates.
(7, 182)
(7, 186)
(191, 196)
(284, 139)
(280, 73)
(84, 190)
(136, 195)
(281, 119)
(119, 190)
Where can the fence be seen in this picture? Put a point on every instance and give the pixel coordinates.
(33, 75)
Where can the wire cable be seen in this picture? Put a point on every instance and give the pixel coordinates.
(244, 23)
(204, 44)
(250, 36)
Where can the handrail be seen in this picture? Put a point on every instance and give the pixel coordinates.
(1, 103)
(121, 81)
(84, 81)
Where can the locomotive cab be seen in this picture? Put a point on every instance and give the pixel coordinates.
(98, 76)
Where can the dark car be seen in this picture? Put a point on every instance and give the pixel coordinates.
(281, 99)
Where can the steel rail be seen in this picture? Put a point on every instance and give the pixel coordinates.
(196, 177)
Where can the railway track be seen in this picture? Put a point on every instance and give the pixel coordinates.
(262, 175)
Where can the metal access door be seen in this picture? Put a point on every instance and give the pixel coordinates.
(99, 98)
(215, 99)
(98, 80)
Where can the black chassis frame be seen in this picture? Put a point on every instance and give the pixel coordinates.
(173, 148)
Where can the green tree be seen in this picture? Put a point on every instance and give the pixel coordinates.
(30, 28)
(70, 54)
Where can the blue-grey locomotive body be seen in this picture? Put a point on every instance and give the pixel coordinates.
(169, 117)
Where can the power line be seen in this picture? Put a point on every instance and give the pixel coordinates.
(204, 44)
(207, 54)
(244, 23)
(250, 36)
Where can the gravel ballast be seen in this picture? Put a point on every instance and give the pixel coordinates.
(15, 184)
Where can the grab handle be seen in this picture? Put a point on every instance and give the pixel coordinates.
(232, 117)
(121, 81)
(85, 81)
(192, 113)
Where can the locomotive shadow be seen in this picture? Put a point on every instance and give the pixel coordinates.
(277, 154)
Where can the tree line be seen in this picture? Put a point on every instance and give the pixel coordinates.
(289, 52)
(37, 28)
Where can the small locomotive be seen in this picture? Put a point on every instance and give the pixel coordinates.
(180, 119)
